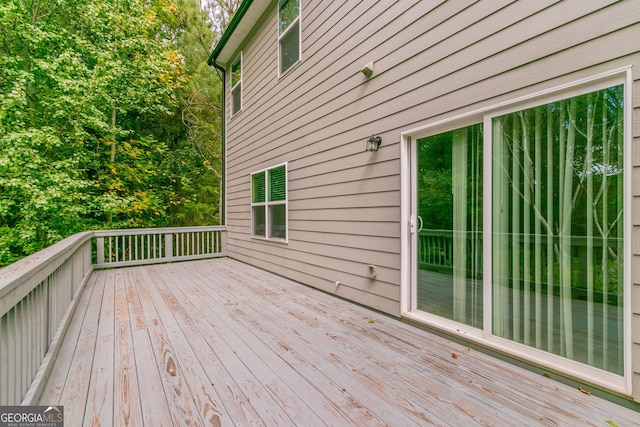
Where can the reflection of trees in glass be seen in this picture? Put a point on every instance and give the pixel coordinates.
(558, 226)
(289, 11)
(450, 208)
(435, 177)
(236, 71)
(289, 24)
(434, 182)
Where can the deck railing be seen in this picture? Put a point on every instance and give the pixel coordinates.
(118, 248)
(39, 293)
(37, 296)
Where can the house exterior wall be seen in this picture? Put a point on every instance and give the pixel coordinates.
(432, 61)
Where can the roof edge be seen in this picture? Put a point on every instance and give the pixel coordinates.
(228, 32)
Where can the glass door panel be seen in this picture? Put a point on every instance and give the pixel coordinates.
(449, 175)
(557, 233)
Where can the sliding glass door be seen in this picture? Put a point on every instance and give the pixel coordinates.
(552, 207)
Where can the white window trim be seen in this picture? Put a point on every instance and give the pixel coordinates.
(617, 383)
(239, 83)
(287, 31)
(266, 204)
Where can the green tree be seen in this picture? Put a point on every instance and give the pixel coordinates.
(75, 78)
(194, 131)
(220, 13)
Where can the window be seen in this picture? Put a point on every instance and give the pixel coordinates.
(269, 203)
(289, 33)
(551, 206)
(236, 85)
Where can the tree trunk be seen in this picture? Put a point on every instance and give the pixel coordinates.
(565, 234)
(113, 136)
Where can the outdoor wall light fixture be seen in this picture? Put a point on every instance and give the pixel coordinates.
(367, 70)
(373, 143)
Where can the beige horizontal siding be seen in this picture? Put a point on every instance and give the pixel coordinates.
(323, 270)
(635, 266)
(433, 60)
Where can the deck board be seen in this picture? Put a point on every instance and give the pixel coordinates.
(100, 402)
(289, 393)
(75, 377)
(181, 403)
(127, 405)
(219, 342)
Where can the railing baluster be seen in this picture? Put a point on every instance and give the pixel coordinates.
(19, 335)
(27, 322)
(4, 363)
(9, 345)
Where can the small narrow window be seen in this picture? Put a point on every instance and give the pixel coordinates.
(269, 203)
(289, 33)
(236, 85)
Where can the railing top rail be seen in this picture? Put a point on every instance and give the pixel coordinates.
(165, 230)
(38, 266)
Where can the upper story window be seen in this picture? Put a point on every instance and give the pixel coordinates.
(288, 33)
(236, 85)
(269, 203)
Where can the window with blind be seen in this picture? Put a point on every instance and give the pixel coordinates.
(269, 203)
(288, 33)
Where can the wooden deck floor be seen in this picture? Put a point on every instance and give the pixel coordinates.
(222, 343)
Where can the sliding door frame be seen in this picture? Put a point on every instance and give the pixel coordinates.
(409, 228)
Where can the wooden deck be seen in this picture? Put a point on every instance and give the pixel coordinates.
(218, 342)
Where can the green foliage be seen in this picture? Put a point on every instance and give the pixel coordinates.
(196, 165)
(41, 198)
(107, 119)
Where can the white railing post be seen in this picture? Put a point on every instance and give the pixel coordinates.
(168, 245)
(100, 250)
